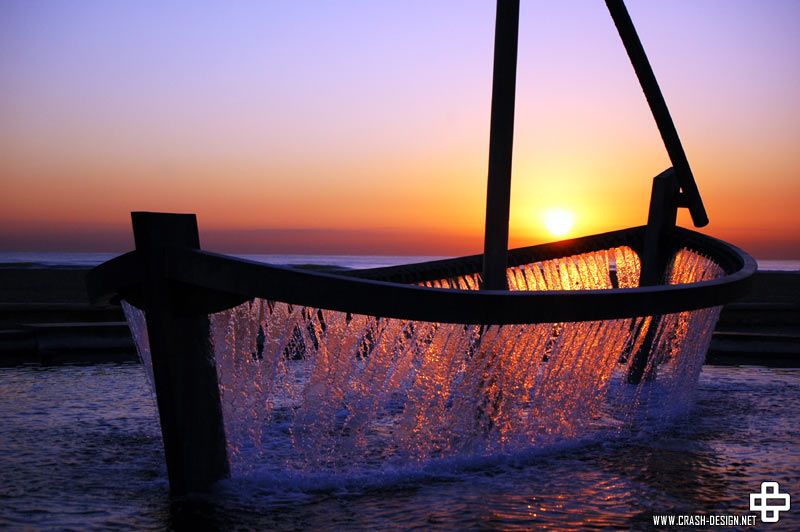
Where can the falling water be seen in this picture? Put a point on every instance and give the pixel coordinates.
(307, 389)
(138, 327)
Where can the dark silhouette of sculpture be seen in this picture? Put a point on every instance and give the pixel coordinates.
(178, 285)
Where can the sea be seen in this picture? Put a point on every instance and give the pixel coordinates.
(65, 259)
(80, 449)
(83, 260)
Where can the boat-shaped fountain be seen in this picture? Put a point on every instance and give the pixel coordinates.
(417, 362)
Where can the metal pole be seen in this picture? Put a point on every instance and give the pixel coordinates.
(501, 141)
(636, 53)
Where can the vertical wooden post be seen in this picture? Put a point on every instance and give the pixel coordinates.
(655, 258)
(501, 143)
(661, 217)
(186, 385)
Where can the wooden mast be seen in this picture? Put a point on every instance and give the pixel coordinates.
(501, 142)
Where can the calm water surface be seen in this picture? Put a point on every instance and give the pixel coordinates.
(80, 449)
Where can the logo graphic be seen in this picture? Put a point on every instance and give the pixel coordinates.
(759, 502)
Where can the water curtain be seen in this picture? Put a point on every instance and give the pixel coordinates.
(306, 388)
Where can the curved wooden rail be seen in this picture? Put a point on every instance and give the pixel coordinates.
(210, 282)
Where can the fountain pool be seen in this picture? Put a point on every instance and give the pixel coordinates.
(81, 449)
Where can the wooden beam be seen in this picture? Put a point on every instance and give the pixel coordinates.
(655, 256)
(661, 220)
(501, 144)
(393, 300)
(185, 374)
(647, 79)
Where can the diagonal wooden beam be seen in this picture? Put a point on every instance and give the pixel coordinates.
(647, 79)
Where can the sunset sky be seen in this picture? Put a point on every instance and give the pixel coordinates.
(362, 126)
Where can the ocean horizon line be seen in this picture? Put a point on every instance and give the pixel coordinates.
(55, 259)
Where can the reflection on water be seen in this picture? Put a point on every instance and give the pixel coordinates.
(80, 448)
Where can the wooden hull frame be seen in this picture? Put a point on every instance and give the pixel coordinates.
(211, 282)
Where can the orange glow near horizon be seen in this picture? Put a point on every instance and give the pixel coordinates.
(279, 122)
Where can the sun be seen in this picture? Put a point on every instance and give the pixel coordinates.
(558, 221)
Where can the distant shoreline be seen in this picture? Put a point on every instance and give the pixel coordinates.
(28, 260)
(72, 261)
